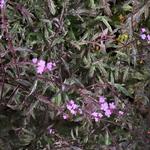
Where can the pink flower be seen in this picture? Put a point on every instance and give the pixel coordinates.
(108, 113)
(72, 107)
(104, 106)
(121, 112)
(49, 66)
(102, 99)
(96, 119)
(41, 63)
(80, 111)
(2, 2)
(143, 36)
(65, 116)
(96, 116)
(148, 37)
(112, 105)
(40, 69)
(100, 115)
(41, 66)
(34, 60)
(143, 29)
(74, 112)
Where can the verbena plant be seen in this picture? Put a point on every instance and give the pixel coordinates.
(74, 74)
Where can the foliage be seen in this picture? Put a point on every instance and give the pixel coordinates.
(58, 58)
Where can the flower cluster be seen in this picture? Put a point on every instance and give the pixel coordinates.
(42, 66)
(107, 108)
(96, 116)
(73, 108)
(144, 35)
(104, 109)
(2, 2)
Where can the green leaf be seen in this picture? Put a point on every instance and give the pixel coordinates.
(107, 139)
(91, 71)
(33, 87)
(120, 88)
(127, 7)
(105, 20)
(51, 7)
(92, 4)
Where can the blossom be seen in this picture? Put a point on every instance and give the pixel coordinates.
(121, 112)
(49, 66)
(104, 106)
(41, 66)
(148, 37)
(2, 2)
(143, 36)
(108, 112)
(65, 116)
(96, 116)
(112, 105)
(34, 60)
(72, 107)
(102, 99)
(143, 29)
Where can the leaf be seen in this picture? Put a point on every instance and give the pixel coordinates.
(107, 139)
(33, 88)
(31, 108)
(92, 4)
(125, 75)
(91, 71)
(51, 7)
(120, 88)
(112, 78)
(105, 20)
(127, 7)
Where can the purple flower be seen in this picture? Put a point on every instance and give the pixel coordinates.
(2, 2)
(96, 116)
(40, 69)
(49, 66)
(121, 112)
(41, 66)
(112, 105)
(80, 111)
(143, 36)
(72, 107)
(41, 63)
(108, 112)
(148, 37)
(143, 29)
(104, 106)
(65, 116)
(96, 119)
(102, 99)
(74, 112)
(34, 60)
